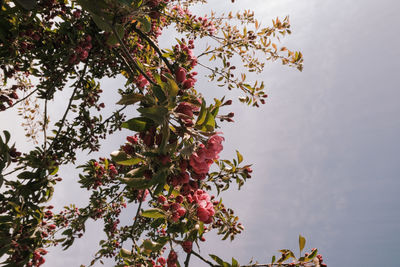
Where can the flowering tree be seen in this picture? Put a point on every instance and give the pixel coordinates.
(169, 164)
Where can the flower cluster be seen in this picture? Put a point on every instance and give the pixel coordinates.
(205, 208)
(201, 160)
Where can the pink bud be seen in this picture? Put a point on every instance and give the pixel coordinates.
(180, 75)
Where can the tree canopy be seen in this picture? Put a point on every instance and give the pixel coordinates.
(169, 167)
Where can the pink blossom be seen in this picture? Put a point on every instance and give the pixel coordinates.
(180, 74)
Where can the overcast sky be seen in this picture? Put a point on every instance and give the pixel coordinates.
(325, 147)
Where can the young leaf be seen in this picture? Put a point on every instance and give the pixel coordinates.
(156, 113)
(153, 213)
(302, 243)
(137, 183)
(130, 99)
(122, 158)
(138, 124)
(239, 157)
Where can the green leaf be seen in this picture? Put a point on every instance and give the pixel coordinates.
(7, 135)
(137, 183)
(156, 113)
(235, 263)
(125, 253)
(302, 243)
(130, 99)
(172, 88)
(145, 24)
(219, 260)
(94, 8)
(138, 124)
(27, 175)
(54, 172)
(273, 259)
(159, 188)
(102, 23)
(239, 157)
(312, 255)
(129, 162)
(209, 123)
(203, 113)
(201, 228)
(153, 213)
(114, 39)
(122, 158)
(137, 173)
(159, 93)
(151, 246)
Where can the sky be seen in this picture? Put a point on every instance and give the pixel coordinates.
(324, 148)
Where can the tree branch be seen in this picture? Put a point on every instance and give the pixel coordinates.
(187, 259)
(132, 60)
(22, 99)
(156, 48)
(203, 259)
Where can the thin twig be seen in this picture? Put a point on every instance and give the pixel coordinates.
(103, 123)
(69, 104)
(45, 126)
(203, 259)
(137, 216)
(22, 99)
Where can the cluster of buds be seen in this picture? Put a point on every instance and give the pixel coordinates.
(201, 22)
(14, 154)
(172, 259)
(101, 174)
(175, 209)
(37, 259)
(186, 80)
(185, 113)
(184, 53)
(81, 52)
(7, 99)
(46, 228)
(187, 246)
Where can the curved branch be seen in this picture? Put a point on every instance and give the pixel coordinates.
(129, 56)
(156, 48)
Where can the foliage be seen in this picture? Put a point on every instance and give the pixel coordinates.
(52, 45)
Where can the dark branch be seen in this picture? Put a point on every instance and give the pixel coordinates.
(187, 259)
(203, 259)
(131, 59)
(156, 48)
